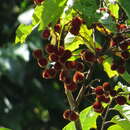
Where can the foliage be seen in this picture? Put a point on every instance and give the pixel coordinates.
(95, 35)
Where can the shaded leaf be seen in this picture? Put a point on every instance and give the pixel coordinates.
(125, 4)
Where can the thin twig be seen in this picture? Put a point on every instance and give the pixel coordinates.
(73, 107)
(83, 88)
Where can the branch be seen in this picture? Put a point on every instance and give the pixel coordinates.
(73, 106)
(83, 88)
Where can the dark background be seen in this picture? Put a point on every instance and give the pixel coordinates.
(27, 101)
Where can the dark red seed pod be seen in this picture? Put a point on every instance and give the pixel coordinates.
(113, 44)
(49, 73)
(46, 74)
(78, 77)
(67, 114)
(59, 51)
(74, 116)
(107, 86)
(103, 9)
(63, 75)
(125, 54)
(57, 27)
(121, 69)
(88, 56)
(121, 26)
(42, 62)
(70, 64)
(99, 90)
(124, 46)
(72, 86)
(74, 30)
(121, 100)
(100, 98)
(54, 57)
(46, 34)
(77, 21)
(114, 66)
(70, 115)
(79, 66)
(67, 54)
(98, 107)
(37, 53)
(113, 93)
(106, 99)
(57, 66)
(50, 48)
(38, 1)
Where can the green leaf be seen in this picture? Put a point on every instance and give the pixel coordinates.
(88, 9)
(114, 8)
(22, 32)
(115, 127)
(51, 11)
(88, 119)
(107, 68)
(4, 129)
(109, 23)
(125, 111)
(125, 4)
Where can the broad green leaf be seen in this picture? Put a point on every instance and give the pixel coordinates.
(51, 11)
(114, 8)
(109, 23)
(72, 43)
(107, 67)
(126, 76)
(115, 127)
(88, 9)
(4, 129)
(88, 37)
(37, 14)
(125, 4)
(125, 111)
(22, 32)
(88, 119)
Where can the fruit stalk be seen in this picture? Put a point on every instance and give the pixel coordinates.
(73, 106)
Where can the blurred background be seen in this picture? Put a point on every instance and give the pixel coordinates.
(27, 101)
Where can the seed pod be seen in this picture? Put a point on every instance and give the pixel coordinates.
(121, 100)
(78, 77)
(42, 62)
(46, 33)
(71, 86)
(70, 115)
(37, 53)
(49, 73)
(98, 107)
(99, 90)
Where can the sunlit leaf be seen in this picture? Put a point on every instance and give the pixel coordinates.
(4, 129)
(125, 111)
(87, 118)
(107, 67)
(114, 8)
(115, 127)
(51, 11)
